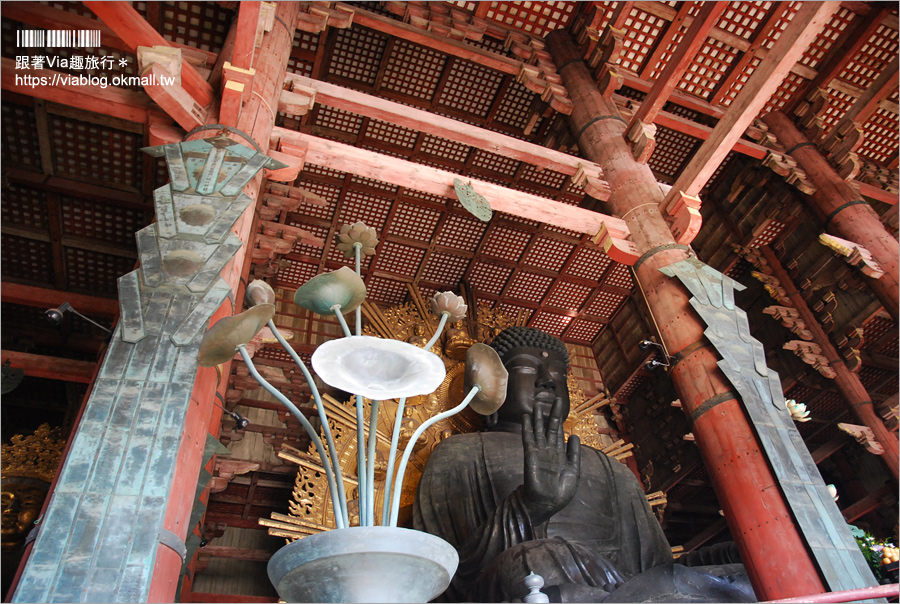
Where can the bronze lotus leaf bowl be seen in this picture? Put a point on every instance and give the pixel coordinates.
(259, 292)
(484, 368)
(322, 292)
(222, 339)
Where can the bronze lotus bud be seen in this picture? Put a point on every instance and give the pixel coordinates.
(352, 234)
(450, 303)
(222, 339)
(322, 292)
(484, 368)
(259, 292)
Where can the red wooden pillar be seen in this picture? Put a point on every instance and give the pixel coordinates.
(852, 389)
(770, 544)
(257, 120)
(843, 210)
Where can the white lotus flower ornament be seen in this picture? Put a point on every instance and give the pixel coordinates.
(378, 368)
(450, 303)
(798, 410)
(351, 234)
(832, 490)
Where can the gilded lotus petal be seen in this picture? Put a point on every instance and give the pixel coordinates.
(450, 303)
(222, 339)
(378, 368)
(358, 232)
(322, 292)
(260, 292)
(484, 368)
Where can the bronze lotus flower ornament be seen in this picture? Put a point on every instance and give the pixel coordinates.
(485, 369)
(259, 292)
(341, 287)
(450, 303)
(357, 233)
(220, 343)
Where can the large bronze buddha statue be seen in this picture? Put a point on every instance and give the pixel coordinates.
(519, 499)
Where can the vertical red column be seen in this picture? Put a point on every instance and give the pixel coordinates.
(771, 547)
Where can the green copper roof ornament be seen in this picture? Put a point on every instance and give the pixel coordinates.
(474, 202)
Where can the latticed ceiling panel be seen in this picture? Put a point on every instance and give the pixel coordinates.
(75, 144)
(357, 55)
(202, 25)
(27, 259)
(460, 231)
(581, 330)
(414, 221)
(708, 68)
(399, 259)
(470, 88)
(295, 274)
(604, 304)
(386, 291)
(514, 107)
(642, 31)
(485, 160)
(338, 119)
(566, 294)
(489, 278)
(97, 273)
(413, 70)
(672, 150)
(305, 249)
(589, 263)
(549, 254)
(528, 286)
(359, 206)
(20, 137)
(553, 323)
(505, 243)
(445, 269)
(826, 38)
(405, 138)
(102, 221)
(878, 51)
(537, 18)
(24, 206)
(880, 140)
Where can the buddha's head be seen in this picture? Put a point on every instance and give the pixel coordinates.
(538, 365)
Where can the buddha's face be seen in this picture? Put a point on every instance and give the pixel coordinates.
(537, 379)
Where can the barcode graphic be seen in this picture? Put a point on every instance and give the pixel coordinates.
(58, 38)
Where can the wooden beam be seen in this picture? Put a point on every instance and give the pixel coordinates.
(680, 60)
(706, 534)
(51, 368)
(876, 193)
(807, 23)
(42, 297)
(444, 127)
(245, 35)
(123, 19)
(64, 89)
(867, 103)
(403, 173)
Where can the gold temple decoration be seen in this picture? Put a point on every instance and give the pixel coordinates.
(310, 506)
(36, 455)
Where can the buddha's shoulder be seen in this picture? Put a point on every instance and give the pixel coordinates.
(474, 442)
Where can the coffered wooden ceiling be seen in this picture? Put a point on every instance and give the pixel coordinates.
(76, 187)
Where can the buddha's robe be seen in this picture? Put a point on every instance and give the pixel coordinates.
(471, 496)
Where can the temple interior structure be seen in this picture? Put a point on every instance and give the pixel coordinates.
(771, 132)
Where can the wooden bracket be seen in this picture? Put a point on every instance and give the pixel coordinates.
(643, 141)
(855, 254)
(811, 354)
(167, 57)
(174, 99)
(297, 101)
(609, 80)
(616, 246)
(230, 73)
(790, 318)
(682, 214)
(266, 21)
(864, 436)
(292, 154)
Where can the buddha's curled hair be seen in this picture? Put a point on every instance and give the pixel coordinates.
(521, 337)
